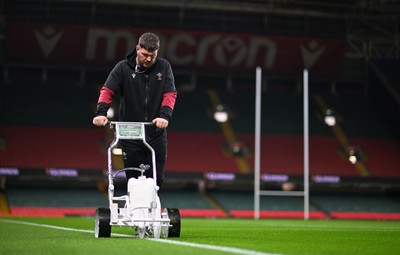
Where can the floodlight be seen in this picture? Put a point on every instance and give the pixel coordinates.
(330, 118)
(237, 148)
(353, 159)
(220, 114)
(354, 153)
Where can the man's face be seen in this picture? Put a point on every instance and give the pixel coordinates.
(145, 58)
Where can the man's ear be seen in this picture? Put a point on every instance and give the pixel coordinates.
(137, 47)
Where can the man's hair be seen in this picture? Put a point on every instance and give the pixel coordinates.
(149, 41)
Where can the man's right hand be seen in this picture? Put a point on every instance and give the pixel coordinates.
(100, 120)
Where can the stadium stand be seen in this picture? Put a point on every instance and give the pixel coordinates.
(39, 147)
(196, 144)
(60, 202)
(55, 197)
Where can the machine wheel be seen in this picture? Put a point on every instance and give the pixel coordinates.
(175, 220)
(164, 229)
(141, 232)
(102, 227)
(156, 231)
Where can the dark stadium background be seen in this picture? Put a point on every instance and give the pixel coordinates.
(55, 55)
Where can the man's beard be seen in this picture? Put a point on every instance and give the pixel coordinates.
(146, 65)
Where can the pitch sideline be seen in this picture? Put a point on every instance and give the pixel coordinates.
(194, 245)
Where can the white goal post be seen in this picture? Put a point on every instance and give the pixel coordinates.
(257, 151)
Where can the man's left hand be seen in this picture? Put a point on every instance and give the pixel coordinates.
(160, 122)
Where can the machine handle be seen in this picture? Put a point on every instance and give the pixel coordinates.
(113, 123)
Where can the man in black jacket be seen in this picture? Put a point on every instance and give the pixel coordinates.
(146, 88)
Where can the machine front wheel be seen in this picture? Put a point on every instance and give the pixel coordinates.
(175, 221)
(102, 227)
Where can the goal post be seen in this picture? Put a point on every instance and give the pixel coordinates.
(257, 150)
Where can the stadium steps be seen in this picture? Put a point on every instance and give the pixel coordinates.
(229, 133)
(341, 137)
(363, 126)
(215, 204)
(4, 205)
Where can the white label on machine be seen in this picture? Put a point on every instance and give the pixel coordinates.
(129, 130)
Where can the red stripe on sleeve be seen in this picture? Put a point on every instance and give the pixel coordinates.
(169, 99)
(106, 95)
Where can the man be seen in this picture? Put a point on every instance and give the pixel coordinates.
(146, 88)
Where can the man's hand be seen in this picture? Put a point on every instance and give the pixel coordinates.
(100, 120)
(160, 122)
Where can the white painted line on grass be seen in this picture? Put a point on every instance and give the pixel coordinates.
(195, 245)
(57, 227)
(213, 247)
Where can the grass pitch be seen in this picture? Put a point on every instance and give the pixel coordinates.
(204, 236)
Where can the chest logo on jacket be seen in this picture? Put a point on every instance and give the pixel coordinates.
(159, 76)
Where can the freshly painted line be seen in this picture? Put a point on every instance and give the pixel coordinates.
(57, 227)
(213, 247)
(195, 245)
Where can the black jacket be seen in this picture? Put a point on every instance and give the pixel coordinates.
(141, 93)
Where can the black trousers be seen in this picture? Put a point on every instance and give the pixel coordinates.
(136, 153)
